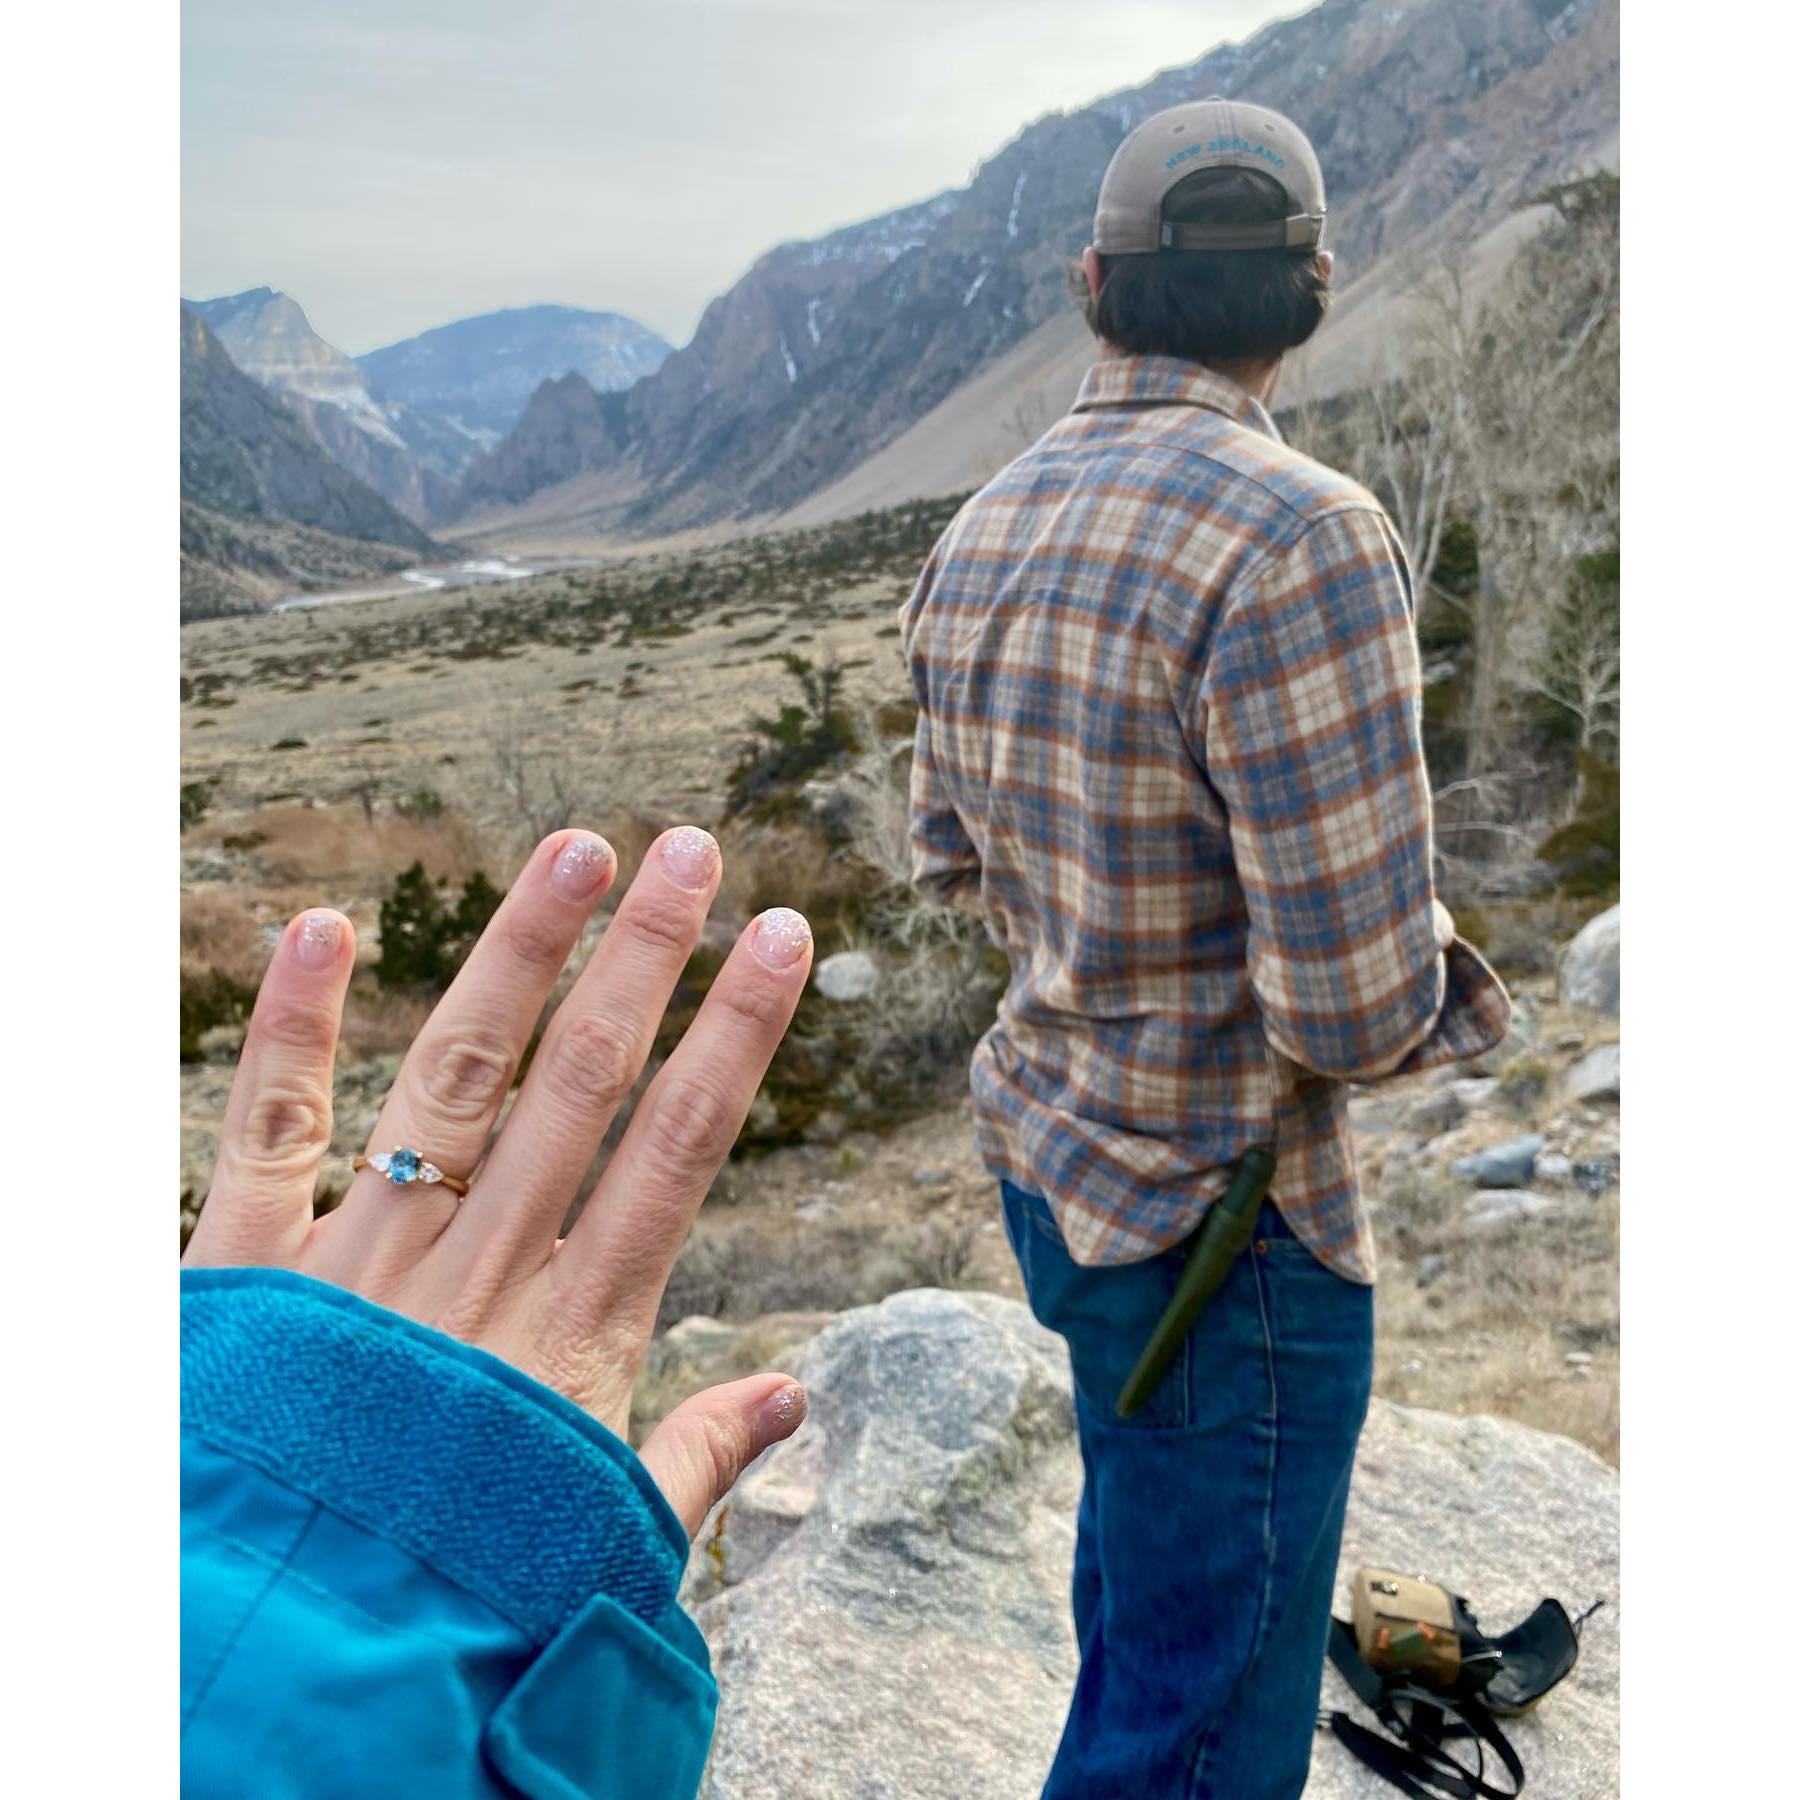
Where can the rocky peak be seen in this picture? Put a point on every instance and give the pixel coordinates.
(270, 338)
(566, 429)
(244, 452)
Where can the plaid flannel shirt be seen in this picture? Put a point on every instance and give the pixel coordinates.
(1168, 751)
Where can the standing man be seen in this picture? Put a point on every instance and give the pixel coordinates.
(1168, 751)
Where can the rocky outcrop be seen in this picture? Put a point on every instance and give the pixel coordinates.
(567, 429)
(886, 1594)
(407, 456)
(243, 452)
(1507, 1165)
(1589, 972)
(1596, 1076)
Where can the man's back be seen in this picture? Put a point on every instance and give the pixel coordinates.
(1168, 699)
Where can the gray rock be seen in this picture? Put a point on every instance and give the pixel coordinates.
(1589, 971)
(1521, 1037)
(931, 1178)
(849, 975)
(1595, 1174)
(893, 1622)
(222, 1043)
(1596, 1076)
(691, 1343)
(1431, 1265)
(1435, 1113)
(1505, 1165)
(1492, 1209)
(895, 1619)
(1554, 1167)
(1475, 1090)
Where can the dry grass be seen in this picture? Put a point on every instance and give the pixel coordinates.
(219, 932)
(752, 1262)
(1472, 1320)
(378, 1021)
(333, 849)
(787, 865)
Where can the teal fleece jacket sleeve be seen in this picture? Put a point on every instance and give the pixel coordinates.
(408, 1569)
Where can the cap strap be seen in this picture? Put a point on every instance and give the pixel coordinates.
(1300, 231)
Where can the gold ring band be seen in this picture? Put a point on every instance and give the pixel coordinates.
(407, 1168)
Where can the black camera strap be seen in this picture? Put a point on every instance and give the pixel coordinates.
(1421, 1722)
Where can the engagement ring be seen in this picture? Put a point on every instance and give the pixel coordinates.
(404, 1166)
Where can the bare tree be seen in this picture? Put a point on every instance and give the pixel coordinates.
(535, 789)
(1578, 670)
(1506, 411)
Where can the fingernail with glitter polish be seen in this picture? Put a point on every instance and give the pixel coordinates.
(689, 857)
(780, 938)
(784, 1411)
(316, 942)
(581, 866)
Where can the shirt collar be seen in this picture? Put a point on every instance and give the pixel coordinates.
(1116, 381)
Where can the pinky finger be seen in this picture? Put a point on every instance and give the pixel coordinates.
(278, 1121)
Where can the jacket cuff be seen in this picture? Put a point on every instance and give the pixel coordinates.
(482, 1473)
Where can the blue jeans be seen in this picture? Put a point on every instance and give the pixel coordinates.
(1207, 1542)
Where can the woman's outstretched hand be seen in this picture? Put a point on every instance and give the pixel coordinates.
(574, 1313)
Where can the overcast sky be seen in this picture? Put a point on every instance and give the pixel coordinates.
(394, 164)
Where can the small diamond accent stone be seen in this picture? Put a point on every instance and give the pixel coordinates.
(403, 1166)
(430, 1172)
(379, 1162)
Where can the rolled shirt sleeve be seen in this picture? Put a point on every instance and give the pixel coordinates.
(1312, 742)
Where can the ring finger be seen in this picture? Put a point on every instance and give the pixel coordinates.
(611, 1271)
(456, 1076)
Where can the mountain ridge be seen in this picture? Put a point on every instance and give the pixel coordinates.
(409, 419)
(827, 351)
(480, 372)
(250, 470)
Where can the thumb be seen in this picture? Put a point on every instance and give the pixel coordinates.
(707, 1442)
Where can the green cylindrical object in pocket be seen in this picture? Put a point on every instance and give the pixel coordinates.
(1224, 1235)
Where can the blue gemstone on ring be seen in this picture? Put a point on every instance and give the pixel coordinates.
(403, 1165)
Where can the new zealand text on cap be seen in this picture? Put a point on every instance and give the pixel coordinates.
(1208, 134)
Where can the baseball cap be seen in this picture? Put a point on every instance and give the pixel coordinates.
(1208, 134)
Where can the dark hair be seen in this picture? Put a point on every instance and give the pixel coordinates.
(1211, 306)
